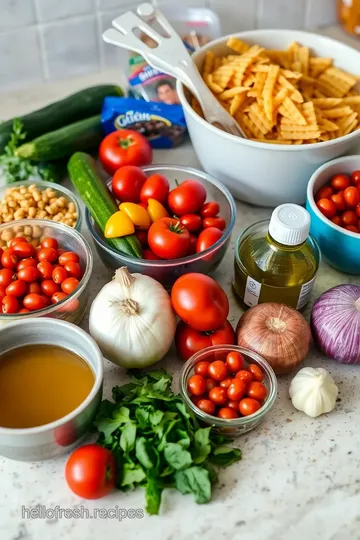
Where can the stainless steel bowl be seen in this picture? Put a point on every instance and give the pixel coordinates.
(49, 440)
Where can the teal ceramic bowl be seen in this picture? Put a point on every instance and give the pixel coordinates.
(339, 247)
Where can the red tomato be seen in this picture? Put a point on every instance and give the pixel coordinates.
(355, 177)
(349, 218)
(127, 183)
(192, 245)
(236, 389)
(210, 209)
(187, 198)
(351, 196)
(46, 269)
(234, 361)
(90, 471)
(68, 256)
(225, 383)
(47, 254)
(17, 240)
(2, 292)
(327, 207)
(155, 187)
(1, 252)
(189, 341)
(340, 181)
(192, 222)
(217, 222)
(210, 383)
(34, 301)
(218, 395)
(73, 269)
(244, 375)
(196, 385)
(10, 305)
(207, 238)
(124, 147)
(27, 262)
(257, 391)
(168, 238)
(34, 288)
(9, 259)
(59, 274)
(227, 413)
(202, 368)
(233, 405)
(50, 243)
(150, 255)
(249, 406)
(29, 274)
(206, 405)
(351, 228)
(16, 288)
(57, 297)
(61, 251)
(48, 287)
(200, 302)
(6, 276)
(339, 201)
(256, 372)
(337, 220)
(218, 370)
(24, 310)
(357, 209)
(69, 285)
(142, 237)
(24, 250)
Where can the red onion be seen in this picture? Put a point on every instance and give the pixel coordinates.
(335, 323)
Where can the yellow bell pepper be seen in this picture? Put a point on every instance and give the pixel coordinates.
(119, 224)
(156, 210)
(137, 214)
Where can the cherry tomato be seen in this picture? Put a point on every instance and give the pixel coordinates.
(127, 183)
(46, 300)
(59, 274)
(69, 285)
(6, 276)
(227, 413)
(351, 228)
(256, 372)
(192, 245)
(90, 471)
(9, 259)
(196, 385)
(218, 370)
(57, 297)
(340, 181)
(10, 304)
(225, 383)
(34, 288)
(217, 222)
(249, 406)
(349, 218)
(218, 395)
(168, 238)
(189, 341)
(68, 256)
(142, 237)
(236, 389)
(210, 209)
(233, 405)
(61, 252)
(46, 269)
(200, 302)
(206, 405)
(192, 222)
(324, 193)
(1, 252)
(327, 207)
(17, 240)
(29, 274)
(257, 391)
(24, 250)
(339, 201)
(337, 220)
(234, 361)
(357, 209)
(16, 288)
(187, 198)
(73, 269)
(155, 187)
(244, 375)
(150, 255)
(124, 147)
(26, 262)
(24, 310)
(351, 196)
(2, 292)
(48, 287)
(47, 254)
(207, 238)
(210, 383)
(355, 177)
(50, 243)
(202, 368)
(34, 301)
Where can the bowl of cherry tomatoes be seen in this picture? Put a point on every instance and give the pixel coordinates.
(45, 268)
(190, 234)
(333, 201)
(228, 387)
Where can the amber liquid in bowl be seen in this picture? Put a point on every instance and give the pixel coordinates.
(40, 384)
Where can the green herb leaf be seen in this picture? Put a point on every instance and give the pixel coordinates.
(181, 437)
(156, 417)
(108, 425)
(224, 455)
(128, 437)
(153, 494)
(202, 445)
(194, 480)
(132, 474)
(142, 453)
(176, 456)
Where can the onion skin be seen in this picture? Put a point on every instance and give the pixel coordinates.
(277, 332)
(335, 323)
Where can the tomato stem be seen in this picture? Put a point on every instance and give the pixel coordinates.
(126, 142)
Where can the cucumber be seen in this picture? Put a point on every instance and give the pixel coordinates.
(73, 108)
(84, 135)
(97, 198)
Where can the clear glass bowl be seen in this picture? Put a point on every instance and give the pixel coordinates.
(167, 272)
(61, 191)
(73, 307)
(237, 426)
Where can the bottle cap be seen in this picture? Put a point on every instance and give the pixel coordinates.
(289, 224)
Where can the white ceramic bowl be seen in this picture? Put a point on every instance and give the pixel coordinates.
(260, 173)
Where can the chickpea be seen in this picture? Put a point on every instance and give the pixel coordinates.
(7, 218)
(35, 242)
(68, 222)
(36, 231)
(32, 212)
(42, 214)
(51, 193)
(75, 216)
(71, 207)
(22, 190)
(7, 235)
(19, 214)
(32, 187)
(12, 204)
(45, 198)
(57, 217)
(37, 196)
(60, 202)
(28, 230)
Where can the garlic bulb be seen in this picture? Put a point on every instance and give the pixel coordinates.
(313, 391)
(132, 320)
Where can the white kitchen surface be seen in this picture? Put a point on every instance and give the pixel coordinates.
(299, 477)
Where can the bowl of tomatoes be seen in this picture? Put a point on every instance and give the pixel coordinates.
(191, 214)
(333, 201)
(228, 387)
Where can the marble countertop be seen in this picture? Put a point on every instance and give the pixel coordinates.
(299, 477)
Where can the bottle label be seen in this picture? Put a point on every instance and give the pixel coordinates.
(252, 292)
(305, 293)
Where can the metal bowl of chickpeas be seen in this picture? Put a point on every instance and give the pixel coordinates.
(39, 200)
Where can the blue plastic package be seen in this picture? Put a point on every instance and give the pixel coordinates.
(163, 125)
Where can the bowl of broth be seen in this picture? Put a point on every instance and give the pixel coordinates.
(51, 378)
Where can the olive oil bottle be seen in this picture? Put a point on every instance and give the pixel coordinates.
(277, 260)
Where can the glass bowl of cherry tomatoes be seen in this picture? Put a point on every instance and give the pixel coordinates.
(45, 269)
(333, 201)
(228, 387)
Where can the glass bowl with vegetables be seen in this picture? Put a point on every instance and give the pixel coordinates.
(228, 387)
(182, 219)
(45, 268)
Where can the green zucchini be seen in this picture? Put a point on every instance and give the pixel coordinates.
(97, 198)
(84, 135)
(73, 108)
